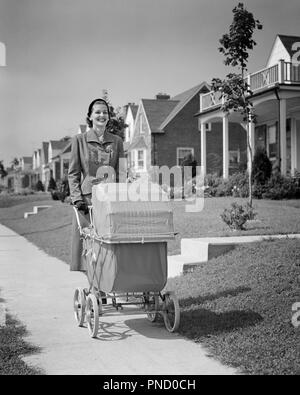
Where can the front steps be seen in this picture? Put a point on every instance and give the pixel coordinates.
(35, 210)
(196, 251)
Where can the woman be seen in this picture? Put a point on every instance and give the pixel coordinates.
(90, 151)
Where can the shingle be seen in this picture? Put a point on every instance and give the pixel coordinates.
(157, 111)
(288, 42)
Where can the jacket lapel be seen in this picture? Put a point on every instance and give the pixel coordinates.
(92, 137)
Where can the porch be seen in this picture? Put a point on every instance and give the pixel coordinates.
(276, 100)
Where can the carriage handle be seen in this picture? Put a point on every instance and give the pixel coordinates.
(78, 220)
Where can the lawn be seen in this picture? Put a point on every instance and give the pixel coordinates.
(13, 347)
(238, 305)
(9, 200)
(50, 229)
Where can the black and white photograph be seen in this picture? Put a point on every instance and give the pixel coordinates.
(149, 191)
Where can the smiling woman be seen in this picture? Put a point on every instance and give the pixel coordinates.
(90, 152)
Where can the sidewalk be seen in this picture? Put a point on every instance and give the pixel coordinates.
(38, 290)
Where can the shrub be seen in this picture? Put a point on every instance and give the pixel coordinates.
(214, 185)
(279, 187)
(237, 216)
(238, 185)
(261, 168)
(39, 186)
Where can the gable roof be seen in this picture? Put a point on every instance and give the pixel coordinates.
(27, 159)
(134, 109)
(183, 99)
(45, 150)
(58, 145)
(140, 142)
(288, 42)
(156, 112)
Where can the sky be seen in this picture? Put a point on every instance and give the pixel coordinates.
(61, 54)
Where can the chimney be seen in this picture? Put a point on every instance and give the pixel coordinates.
(162, 96)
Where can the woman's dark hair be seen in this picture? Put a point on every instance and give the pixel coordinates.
(90, 109)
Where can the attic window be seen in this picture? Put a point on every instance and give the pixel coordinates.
(208, 126)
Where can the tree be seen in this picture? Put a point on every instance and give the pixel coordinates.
(117, 124)
(3, 172)
(235, 91)
(15, 163)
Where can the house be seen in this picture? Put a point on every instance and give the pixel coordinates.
(54, 165)
(276, 100)
(130, 115)
(20, 177)
(60, 154)
(40, 164)
(166, 131)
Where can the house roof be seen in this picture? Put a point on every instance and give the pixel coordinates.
(183, 98)
(134, 109)
(58, 145)
(157, 111)
(139, 142)
(288, 42)
(67, 148)
(27, 159)
(45, 146)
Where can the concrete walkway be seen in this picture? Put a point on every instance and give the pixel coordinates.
(38, 290)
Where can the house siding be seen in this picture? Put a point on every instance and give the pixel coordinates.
(278, 52)
(182, 131)
(214, 146)
(298, 144)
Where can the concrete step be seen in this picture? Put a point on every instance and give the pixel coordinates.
(199, 250)
(179, 264)
(35, 210)
(205, 250)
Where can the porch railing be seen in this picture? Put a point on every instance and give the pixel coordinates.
(282, 73)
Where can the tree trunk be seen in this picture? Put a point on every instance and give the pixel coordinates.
(250, 166)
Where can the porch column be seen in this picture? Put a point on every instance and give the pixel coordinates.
(225, 147)
(283, 136)
(203, 148)
(251, 127)
(294, 158)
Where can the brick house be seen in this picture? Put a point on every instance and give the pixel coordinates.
(166, 130)
(276, 100)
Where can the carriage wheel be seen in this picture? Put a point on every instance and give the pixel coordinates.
(79, 303)
(171, 312)
(92, 315)
(153, 315)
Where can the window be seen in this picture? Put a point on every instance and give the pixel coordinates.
(141, 159)
(234, 159)
(142, 131)
(182, 153)
(208, 127)
(272, 142)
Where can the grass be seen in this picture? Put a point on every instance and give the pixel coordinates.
(9, 200)
(273, 217)
(13, 347)
(240, 307)
(50, 229)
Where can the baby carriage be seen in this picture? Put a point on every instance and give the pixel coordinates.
(125, 253)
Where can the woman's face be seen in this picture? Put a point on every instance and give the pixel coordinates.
(99, 115)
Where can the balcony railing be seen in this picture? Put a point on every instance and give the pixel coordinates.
(282, 73)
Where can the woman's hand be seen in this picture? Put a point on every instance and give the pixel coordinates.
(82, 206)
